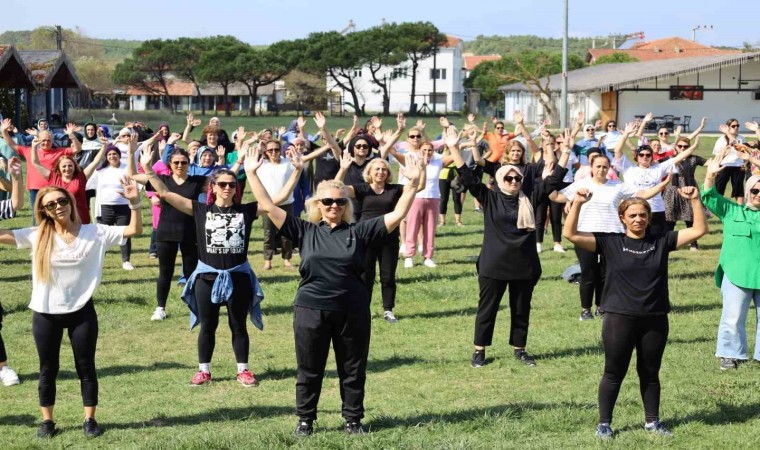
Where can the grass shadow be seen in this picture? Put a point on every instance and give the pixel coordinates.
(693, 275)
(373, 366)
(115, 371)
(216, 415)
(470, 312)
(694, 308)
(19, 419)
(572, 352)
(725, 414)
(434, 277)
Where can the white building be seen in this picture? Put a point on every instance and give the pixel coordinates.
(439, 84)
(716, 87)
(186, 97)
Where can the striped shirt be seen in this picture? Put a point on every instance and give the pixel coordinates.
(599, 215)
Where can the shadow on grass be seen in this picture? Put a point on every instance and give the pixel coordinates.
(276, 310)
(373, 366)
(114, 371)
(694, 275)
(572, 352)
(470, 312)
(435, 276)
(695, 308)
(724, 414)
(290, 278)
(19, 419)
(216, 415)
(513, 411)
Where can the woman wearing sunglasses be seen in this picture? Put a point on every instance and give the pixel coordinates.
(600, 215)
(637, 302)
(175, 231)
(738, 272)
(67, 265)
(676, 207)
(734, 170)
(645, 173)
(332, 302)
(223, 275)
(507, 258)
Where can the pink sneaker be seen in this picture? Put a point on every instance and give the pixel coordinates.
(247, 378)
(200, 378)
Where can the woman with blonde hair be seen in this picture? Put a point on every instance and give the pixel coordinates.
(72, 254)
(332, 302)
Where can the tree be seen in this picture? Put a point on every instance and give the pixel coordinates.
(95, 74)
(219, 64)
(614, 58)
(262, 67)
(419, 40)
(75, 44)
(339, 57)
(382, 51)
(187, 54)
(149, 69)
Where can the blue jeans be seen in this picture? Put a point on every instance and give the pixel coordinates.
(732, 331)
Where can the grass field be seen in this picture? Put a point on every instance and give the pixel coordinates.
(421, 391)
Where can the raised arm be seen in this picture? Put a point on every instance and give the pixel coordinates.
(699, 228)
(321, 122)
(699, 129)
(712, 168)
(353, 131)
(35, 159)
(90, 169)
(580, 239)
(414, 171)
(191, 123)
(391, 141)
(182, 204)
(519, 118)
(5, 127)
(652, 191)
(643, 126)
(131, 169)
(686, 153)
(578, 125)
(627, 131)
(135, 219)
(345, 163)
(744, 152)
(266, 206)
(17, 183)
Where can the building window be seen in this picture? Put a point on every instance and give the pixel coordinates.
(437, 74)
(438, 98)
(400, 72)
(357, 73)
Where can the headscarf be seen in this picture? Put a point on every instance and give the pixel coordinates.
(525, 217)
(161, 137)
(202, 149)
(751, 181)
(84, 128)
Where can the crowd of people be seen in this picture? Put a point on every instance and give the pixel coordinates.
(621, 192)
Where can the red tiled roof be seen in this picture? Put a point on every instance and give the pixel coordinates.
(451, 41)
(472, 61)
(175, 87)
(659, 49)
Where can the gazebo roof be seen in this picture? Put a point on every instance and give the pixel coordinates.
(50, 69)
(13, 71)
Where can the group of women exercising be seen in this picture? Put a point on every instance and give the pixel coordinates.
(621, 228)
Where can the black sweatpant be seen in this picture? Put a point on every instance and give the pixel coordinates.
(117, 215)
(167, 254)
(620, 335)
(385, 253)
(734, 175)
(443, 206)
(555, 218)
(670, 226)
(349, 332)
(491, 292)
(270, 237)
(657, 224)
(237, 312)
(3, 355)
(593, 269)
(82, 328)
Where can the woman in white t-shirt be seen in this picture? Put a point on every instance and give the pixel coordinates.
(734, 168)
(274, 174)
(67, 264)
(599, 215)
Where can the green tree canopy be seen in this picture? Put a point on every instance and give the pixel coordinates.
(614, 58)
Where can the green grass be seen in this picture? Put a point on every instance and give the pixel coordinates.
(421, 392)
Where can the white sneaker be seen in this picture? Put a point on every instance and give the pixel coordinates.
(158, 314)
(8, 376)
(558, 248)
(389, 317)
(538, 247)
(408, 263)
(419, 248)
(429, 263)
(401, 249)
(127, 266)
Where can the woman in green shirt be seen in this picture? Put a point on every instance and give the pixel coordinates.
(738, 272)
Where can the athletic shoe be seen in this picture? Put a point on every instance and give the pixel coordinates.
(460, 224)
(429, 263)
(604, 431)
(525, 358)
(303, 428)
(247, 378)
(401, 249)
(158, 314)
(153, 256)
(47, 429)
(728, 364)
(478, 210)
(558, 248)
(408, 263)
(126, 265)
(91, 428)
(694, 246)
(599, 312)
(389, 317)
(8, 376)
(478, 359)
(657, 428)
(200, 378)
(355, 427)
(538, 247)
(586, 315)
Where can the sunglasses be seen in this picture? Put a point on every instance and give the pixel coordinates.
(516, 178)
(664, 134)
(273, 149)
(611, 125)
(226, 184)
(362, 146)
(179, 163)
(682, 146)
(62, 202)
(327, 201)
(754, 191)
(499, 128)
(415, 136)
(735, 126)
(645, 155)
(589, 129)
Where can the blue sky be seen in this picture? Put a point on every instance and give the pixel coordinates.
(267, 21)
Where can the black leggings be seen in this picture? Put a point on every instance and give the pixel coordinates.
(491, 293)
(443, 206)
(657, 225)
(117, 215)
(734, 175)
(167, 253)
(270, 237)
(555, 217)
(82, 327)
(237, 311)
(620, 335)
(593, 268)
(384, 252)
(3, 355)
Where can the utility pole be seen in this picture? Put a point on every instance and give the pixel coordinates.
(58, 37)
(563, 113)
